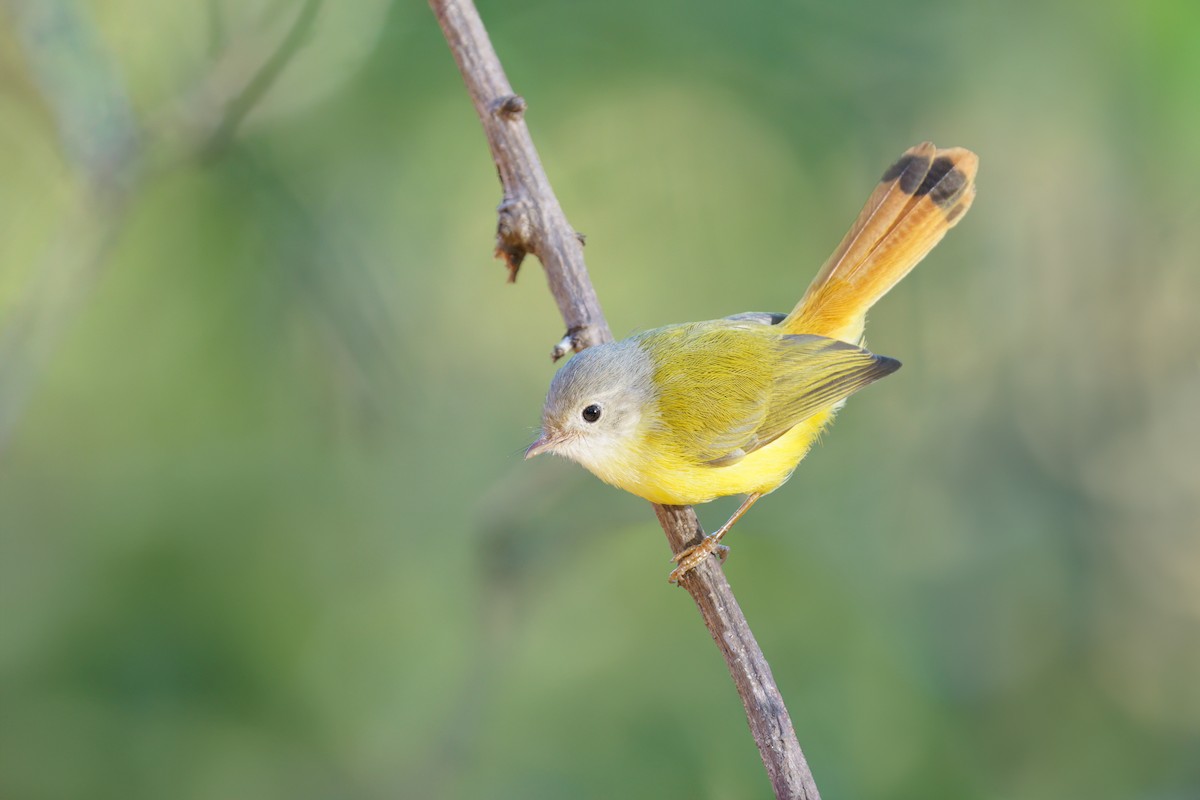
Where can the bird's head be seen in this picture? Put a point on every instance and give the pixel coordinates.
(597, 406)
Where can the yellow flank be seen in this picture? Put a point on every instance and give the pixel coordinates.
(671, 480)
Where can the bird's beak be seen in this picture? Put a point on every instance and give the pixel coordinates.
(545, 444)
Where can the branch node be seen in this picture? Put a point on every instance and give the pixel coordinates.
(578, 339)
(510, 107)
(514, 229)
(564, 346)
(582, 237)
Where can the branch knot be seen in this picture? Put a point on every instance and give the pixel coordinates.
(578, 338)
(510, 107)
(514, 233)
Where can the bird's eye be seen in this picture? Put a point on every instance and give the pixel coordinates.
(591, 413)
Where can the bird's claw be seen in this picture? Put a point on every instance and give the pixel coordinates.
(691, 557)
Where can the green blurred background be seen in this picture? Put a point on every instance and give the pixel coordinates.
(265, 531)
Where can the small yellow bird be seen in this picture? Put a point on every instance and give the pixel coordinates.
(687, 413)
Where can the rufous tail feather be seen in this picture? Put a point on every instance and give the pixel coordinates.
(920, 197)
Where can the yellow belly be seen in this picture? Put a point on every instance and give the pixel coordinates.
(669, 481)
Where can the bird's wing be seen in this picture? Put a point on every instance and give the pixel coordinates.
(730, 387)
(814, 374)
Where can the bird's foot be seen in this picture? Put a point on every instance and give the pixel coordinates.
(691, 557)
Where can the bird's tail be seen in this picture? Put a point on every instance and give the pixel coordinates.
(919, 198)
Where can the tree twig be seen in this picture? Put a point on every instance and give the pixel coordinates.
(532, 221)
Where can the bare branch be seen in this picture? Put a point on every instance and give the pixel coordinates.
(531, 221)
(765, 712)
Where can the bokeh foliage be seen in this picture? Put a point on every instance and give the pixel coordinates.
(264, 527)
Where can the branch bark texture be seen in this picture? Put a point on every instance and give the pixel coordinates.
(532, 221)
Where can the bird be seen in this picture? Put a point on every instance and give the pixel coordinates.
(687, 413)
